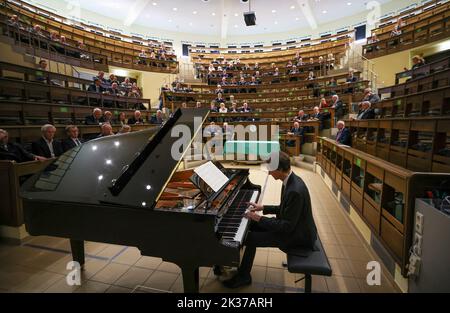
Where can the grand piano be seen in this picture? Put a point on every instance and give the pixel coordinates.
(128, 190)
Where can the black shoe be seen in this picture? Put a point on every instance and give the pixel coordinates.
(218, 270)
(237, 281)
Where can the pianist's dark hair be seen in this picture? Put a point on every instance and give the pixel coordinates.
(284, 162)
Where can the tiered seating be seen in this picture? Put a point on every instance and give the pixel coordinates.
(116, 50)
(428, 23)
(25, 101)
(391, 158)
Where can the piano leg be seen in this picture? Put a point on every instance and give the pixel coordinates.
(190, 279)
(77, 247)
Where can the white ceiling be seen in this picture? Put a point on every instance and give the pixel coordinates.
(225, 17)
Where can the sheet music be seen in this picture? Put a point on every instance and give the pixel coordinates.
(211, 175)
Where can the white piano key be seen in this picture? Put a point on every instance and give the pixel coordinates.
(244, 222)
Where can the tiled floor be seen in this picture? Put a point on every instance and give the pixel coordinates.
(39, 265)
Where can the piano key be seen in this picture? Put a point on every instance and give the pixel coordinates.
(244, 223)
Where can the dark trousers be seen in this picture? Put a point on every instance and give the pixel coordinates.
(257, 237)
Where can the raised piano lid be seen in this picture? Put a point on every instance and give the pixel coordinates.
(129, 170)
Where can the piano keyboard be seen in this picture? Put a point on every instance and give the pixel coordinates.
(233, 225)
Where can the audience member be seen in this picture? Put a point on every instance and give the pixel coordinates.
(46, 146)
(136, 119)
(14, 151)
(72, 139)
(96, 118)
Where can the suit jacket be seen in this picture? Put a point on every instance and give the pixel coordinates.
(339, 109)
(90, 120)
(94, 88)
(68, 144)
(294, 222)
(344, 137)
(303, 118)
(133, 121)
(368, 114)
(297, 131)
(40, 148)
(16, 153)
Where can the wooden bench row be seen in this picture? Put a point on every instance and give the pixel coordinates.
(426, 69)
(419, 144)
(382, 193)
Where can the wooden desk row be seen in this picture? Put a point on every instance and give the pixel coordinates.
(420, 33)
(419, 144)
(312, 51)
(14, 89)
(39, 113)
(434, 102)
(426, 69)
(382, 193)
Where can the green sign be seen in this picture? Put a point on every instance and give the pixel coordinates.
(326, 110)
(399, 102)
(358, 162)
(63, 110)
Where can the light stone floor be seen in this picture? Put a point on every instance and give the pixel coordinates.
(39, 264)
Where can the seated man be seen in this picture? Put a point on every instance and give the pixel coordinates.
(366, 113)
(136, 119)
(47, 146)
(370, 96)
(106, 130)
(124, 129)
(338, 106)
(301, 116)
(72, 139)
(96, 118)
(293, 226)
(343, 137)
(157, 118)
(14, 151)
(296, 130)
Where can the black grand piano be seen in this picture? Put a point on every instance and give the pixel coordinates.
(128, 190)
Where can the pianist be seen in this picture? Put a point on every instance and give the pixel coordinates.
(293, 226)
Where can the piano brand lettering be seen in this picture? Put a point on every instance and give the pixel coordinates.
(198, 303)
(74, 276)
(374, 276)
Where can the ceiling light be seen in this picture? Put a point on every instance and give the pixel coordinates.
(175, 9)
(324, 11)
(194, 12)
(349, 3)
(275, 22)
(274, 11)
(235, 14)
(292, 7)
(235, 26)
(154, 3)
(170, 21)
(213, 14)
(190, 23)
(297, 18)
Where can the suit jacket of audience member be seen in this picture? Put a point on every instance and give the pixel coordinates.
(95, 88)
(40, 148)
(368, 114)
(344, 137)
(15, 152)
(318, 116)
(68, 143)
(296, 131)
(155, 120)
(373, 98)
(338, 109)
(248, 110)
(133, 120)
(90, 120)
(353, 79)
(294, 223)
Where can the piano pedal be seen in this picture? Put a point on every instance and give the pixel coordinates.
(218, 270)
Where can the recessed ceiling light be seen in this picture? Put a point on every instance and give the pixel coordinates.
(324, 11)
(275, 22)
(235, 14)
(194, 12)
(154, 3)
(292, 7)
(235, 26)
(297, 18)
(213, 14)
(175, 9)
(274, 11)
(170, 21)
(349, 3)
(190, 23)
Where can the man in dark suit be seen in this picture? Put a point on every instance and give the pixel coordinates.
(47, 146)
(293, 227)
(96, 118)
(14, 151)
(296, 130)
(96, 86)
(343, 137)
(301, 116)
(366, 113)
(72, 139)
(136, 119)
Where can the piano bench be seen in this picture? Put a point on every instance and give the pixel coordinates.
(309, 262)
